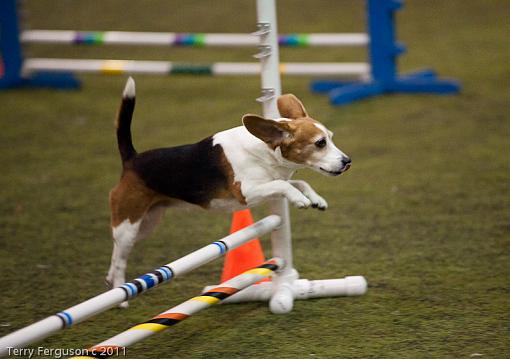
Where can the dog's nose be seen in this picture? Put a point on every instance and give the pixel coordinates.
(346, 163)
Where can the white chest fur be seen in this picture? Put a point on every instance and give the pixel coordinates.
(251, 159)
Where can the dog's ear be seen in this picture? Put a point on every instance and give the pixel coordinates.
(269, 131)
(289, 106)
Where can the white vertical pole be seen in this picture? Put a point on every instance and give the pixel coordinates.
(269, 57)
(282, 297)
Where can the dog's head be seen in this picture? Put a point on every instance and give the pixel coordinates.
(301, 139)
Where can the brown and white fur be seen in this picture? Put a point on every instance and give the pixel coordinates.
(233, 169)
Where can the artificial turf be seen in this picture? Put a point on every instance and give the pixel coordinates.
(423, 214)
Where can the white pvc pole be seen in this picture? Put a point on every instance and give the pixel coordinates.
(31, 65)
(282, 297)
(185, 310)
(303, 289)
(186, 39)
(102, 302)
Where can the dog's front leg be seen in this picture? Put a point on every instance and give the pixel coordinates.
(308, 191)
(257, 193)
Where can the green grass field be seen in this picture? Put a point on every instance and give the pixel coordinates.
(424, 213)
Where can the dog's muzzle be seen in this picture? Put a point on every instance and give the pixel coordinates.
(346, 164)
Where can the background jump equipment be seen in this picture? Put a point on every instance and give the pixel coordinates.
(377, 76)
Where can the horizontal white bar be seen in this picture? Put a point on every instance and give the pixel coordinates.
(303, 289)
(137, 38)
(47, 36)
(330, 39)
(94, 66)
(166, 67)
(325, 68)
(191, 39)
(312, 69)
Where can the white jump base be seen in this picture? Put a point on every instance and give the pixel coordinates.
(302, 289)
(166, 67)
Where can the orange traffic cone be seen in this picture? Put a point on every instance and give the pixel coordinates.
(248, 255)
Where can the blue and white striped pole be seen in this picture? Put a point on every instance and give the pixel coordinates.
(102, 302)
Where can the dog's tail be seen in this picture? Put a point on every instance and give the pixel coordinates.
(123, 123)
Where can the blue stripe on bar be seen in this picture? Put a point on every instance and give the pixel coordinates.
(163, 273)
(170, 271)
(132, 288)
(149, 280)
(68, 319)
(221, 246)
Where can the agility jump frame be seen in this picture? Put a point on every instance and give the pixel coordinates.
(378, 76)
(281, 292)
(117, 344)
(132, 289)
(229, 289)
(349, 286)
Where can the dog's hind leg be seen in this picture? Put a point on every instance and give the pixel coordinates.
(125, 236)
(135, 213)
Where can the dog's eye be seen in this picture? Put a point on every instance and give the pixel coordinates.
(321, 143)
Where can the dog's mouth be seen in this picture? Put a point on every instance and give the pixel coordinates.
(331, 173)
(336, 173)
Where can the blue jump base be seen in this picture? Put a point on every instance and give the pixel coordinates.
(64, 81)
(12, 58)
(345, 92)
(384, 51)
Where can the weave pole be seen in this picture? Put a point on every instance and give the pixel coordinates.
(163, 321)
(102, 302)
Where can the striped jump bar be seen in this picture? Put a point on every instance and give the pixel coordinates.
(115, 67)
(187, 39)
(183, 311)
(106, 300)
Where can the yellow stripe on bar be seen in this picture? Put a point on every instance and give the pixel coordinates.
(206, 299)
(260, 271)
(113, 67)
(282, 68)
(153, 327)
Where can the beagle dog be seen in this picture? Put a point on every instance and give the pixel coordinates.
(234, 169)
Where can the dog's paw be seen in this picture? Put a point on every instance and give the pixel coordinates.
(301, 202)
(319, 203)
